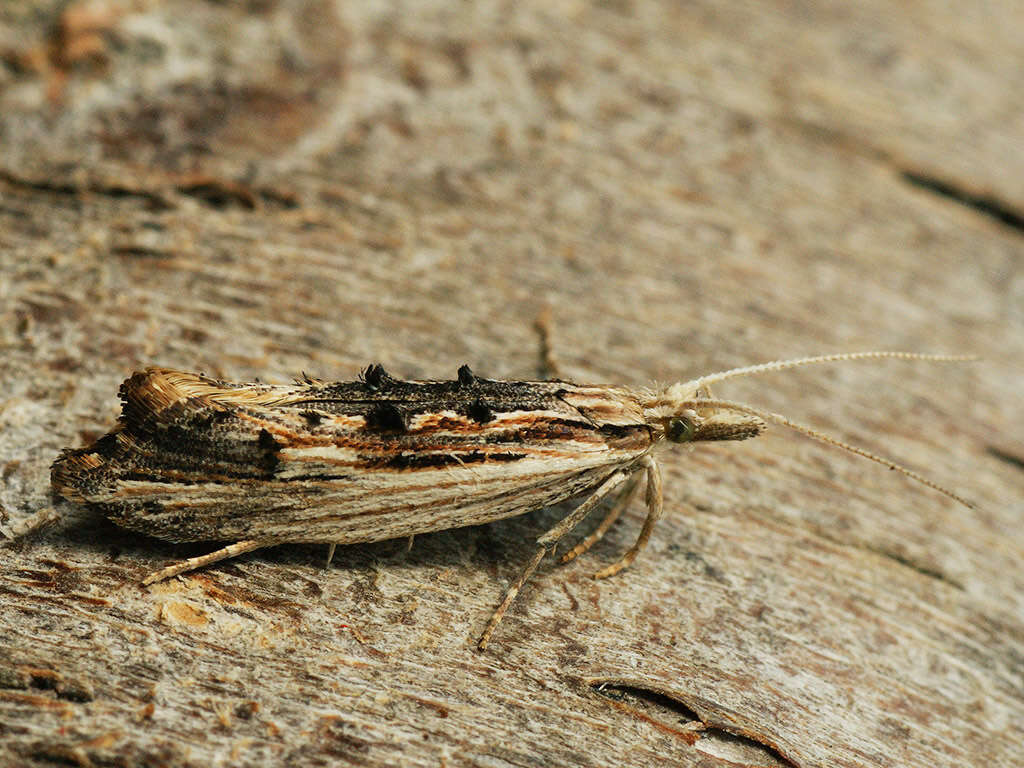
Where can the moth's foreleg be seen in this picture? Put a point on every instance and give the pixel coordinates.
(626, 497)
(238, 548)
(654, 510)
(547, 542)
(574, 518)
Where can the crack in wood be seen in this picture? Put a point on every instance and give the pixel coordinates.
(924, 570)
(652, 706)
(1010, 456)
(989, 205)
(211, 191)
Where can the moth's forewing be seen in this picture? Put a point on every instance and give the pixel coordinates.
(193, 459)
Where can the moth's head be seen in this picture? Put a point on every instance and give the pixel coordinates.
(679, 414)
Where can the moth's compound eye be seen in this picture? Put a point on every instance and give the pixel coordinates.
(681, 430)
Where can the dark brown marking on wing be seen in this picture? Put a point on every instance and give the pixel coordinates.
(413, 461)
(623, 436)
(268, 461)
(387, 417)
(479, 412)
(318, 477)
(313, 418)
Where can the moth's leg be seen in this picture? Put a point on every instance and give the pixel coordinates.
(548, 361)
(547, 542)
(574, 518)
(330, 554)
(654, 510)
(231, 550)
(626, 496)
(404, 546)
(510, 596)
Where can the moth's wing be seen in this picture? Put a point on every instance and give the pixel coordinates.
(194, 460)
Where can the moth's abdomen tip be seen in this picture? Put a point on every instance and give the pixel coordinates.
(72, 473)
(60, 475)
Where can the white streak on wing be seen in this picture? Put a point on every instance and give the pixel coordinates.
(301, 461)
(176, 495)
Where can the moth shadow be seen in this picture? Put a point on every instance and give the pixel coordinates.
(90, 532)
(513, 541)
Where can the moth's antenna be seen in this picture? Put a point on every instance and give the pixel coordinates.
(779, 365)
(822, 438)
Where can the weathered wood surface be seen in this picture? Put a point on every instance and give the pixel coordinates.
(254, 190)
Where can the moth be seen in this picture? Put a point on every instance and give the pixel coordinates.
(194, 458)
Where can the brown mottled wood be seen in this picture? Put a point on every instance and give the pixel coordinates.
(261, 189)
